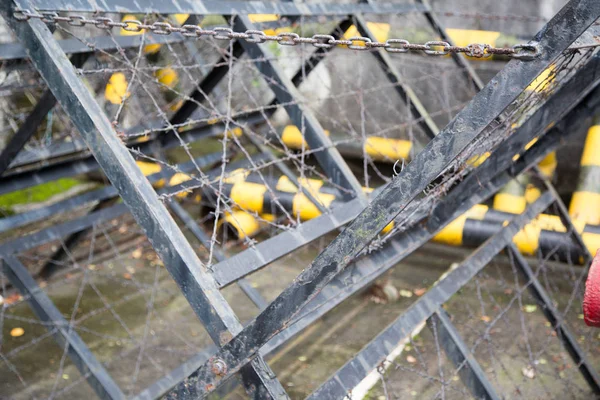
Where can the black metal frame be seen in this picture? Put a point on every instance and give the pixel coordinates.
(317, 289)
(446, 147)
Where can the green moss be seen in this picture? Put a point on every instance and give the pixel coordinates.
(36, 194)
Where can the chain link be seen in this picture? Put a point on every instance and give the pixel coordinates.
(523, 51)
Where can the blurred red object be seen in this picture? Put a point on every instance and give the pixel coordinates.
(591, 298)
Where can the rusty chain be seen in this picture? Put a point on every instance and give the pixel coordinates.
(523, 51)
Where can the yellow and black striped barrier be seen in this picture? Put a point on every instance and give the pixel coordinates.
(511, 198)
(585, 203)
(378, 148)
(249, 193)
(545, 233)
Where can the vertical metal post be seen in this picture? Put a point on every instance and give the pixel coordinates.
(189, 273)
(459, 354)
(66, 337)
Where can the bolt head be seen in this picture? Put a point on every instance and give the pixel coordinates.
(219, 367)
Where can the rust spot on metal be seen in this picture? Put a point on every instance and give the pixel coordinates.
(224, 337)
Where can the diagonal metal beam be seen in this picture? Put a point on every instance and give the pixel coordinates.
(32, 122)
(183, 264)
(458, 353)
(406, 93)
(189, 222)
(460, 60)
(330, 159)
(350, 375)
(16, 51)
(46, 311)
(566, 98)
(483, 110)
(366, 269)
(556, 320)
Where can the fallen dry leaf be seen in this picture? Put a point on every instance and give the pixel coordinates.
(411, 359)
(16, 332)
(405, 293)
(528, 372)
(127, 275)
(420, 291)
(13, 298)
(485, 318)
(529, 308)
(137, 253)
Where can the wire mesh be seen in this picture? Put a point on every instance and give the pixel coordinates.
(224, 165)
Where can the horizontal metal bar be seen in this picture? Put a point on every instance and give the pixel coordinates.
(15, 221)
(86, 163)
(461, 357)
(350, 375)
(275, 247)
(65, 335)
(16, 51)
(216, 7)
(19, 181)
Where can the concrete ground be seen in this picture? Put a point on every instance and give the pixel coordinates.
(133, 317)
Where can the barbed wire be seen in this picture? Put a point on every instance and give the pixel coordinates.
(521, 51)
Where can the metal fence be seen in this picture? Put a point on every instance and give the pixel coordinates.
(174, 117)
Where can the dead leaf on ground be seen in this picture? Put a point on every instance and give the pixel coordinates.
(528, 372)
(16, 332)
(13, 298)
(529, 308)
(137, 253)
(420, 291)
(485, 318)
(411, 359)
